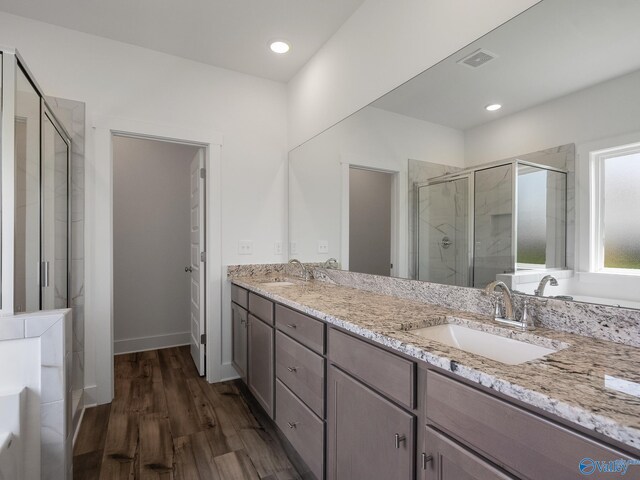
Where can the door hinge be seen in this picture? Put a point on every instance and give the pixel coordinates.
(203, 339)
(203, 256)
(203, 173)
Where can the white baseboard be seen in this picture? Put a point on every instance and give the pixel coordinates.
(141, 344)
(227, 372)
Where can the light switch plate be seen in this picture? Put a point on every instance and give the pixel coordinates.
(323, 246)
(245, 247)
(293, 248)
(277, 248)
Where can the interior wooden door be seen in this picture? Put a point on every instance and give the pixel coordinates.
(197, 262)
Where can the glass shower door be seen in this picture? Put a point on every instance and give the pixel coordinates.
(55, 214)
(443, 232)
(27, 196)
(493, 224)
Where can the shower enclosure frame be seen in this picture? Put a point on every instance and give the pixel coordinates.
(11, 63)
(469, 173)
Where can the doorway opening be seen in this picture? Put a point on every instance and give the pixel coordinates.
(371, 211)
(159, 238)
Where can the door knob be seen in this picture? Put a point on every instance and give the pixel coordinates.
(188, 269)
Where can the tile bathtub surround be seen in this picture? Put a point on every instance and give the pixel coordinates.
(615, 324)
(54, 329)
(570, 384)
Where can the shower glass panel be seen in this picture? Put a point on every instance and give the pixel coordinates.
(27, 196)
(493, 225)
(443, 232)
(541, 225)
(55, 213)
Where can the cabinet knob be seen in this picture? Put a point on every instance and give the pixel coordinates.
(292, 424)
(188, 269)
(292, 369)
(399, 439)
(291, 325)
(426, 460)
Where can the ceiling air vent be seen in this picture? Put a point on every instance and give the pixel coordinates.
(477, 58)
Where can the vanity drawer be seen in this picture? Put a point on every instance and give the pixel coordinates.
(240, 296)
(519, 441)
(392, 375)
(302, 371)
(261, 308)
(302, 428)
(305, 329)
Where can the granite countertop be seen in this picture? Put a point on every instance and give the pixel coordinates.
(590, 382)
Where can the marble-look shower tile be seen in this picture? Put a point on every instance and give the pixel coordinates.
(53, 442)
(12, 328)
(52, 356)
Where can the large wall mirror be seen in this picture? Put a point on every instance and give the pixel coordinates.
(516, 158)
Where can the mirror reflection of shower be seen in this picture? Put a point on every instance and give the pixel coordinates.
(517, 221)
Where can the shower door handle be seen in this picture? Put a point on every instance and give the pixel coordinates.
(45, 274)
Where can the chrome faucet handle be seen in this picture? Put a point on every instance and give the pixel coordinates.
(526, 319)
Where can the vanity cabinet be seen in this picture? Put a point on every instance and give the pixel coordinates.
(370, 431)
(447, 460)
(514, 439)
(239, 319)
(260, 374)
(368, 435)
(260, 351)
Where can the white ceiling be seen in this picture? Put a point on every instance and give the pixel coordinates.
(232, 34)
(555, 48)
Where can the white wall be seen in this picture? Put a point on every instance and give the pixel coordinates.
(371, 138)
(606, 110)
(127, 82)
(151, 238)
(382, 45)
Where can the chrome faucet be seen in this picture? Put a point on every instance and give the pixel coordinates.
(543, 283)
(331, 263)
(525, 323)
(507, 300)
(303, 269)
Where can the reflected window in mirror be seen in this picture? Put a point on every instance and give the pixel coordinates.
(616, 175)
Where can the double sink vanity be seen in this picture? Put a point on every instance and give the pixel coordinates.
(365, 385)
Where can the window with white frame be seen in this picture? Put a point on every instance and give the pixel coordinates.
(615, 200)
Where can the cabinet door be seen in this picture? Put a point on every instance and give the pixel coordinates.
(239, 328)
(260, 367)
(444, 459)
(368, 436)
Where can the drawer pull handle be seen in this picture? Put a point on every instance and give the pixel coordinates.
(399, 439)
(292, 369)
(292, 325)
(426, 460)
(292, 424)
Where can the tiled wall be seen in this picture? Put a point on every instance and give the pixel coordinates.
(54, 330)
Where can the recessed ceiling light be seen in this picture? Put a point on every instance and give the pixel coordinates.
(279, 46)
(493, 107)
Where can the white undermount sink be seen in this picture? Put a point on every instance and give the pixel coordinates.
(495, 347)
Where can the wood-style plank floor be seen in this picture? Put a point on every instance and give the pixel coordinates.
(166, 422)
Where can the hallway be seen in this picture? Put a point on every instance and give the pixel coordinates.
(167, 422)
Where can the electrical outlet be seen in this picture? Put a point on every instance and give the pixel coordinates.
(293, 248)
(277, 248)
(245, 247)
(323, 246)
